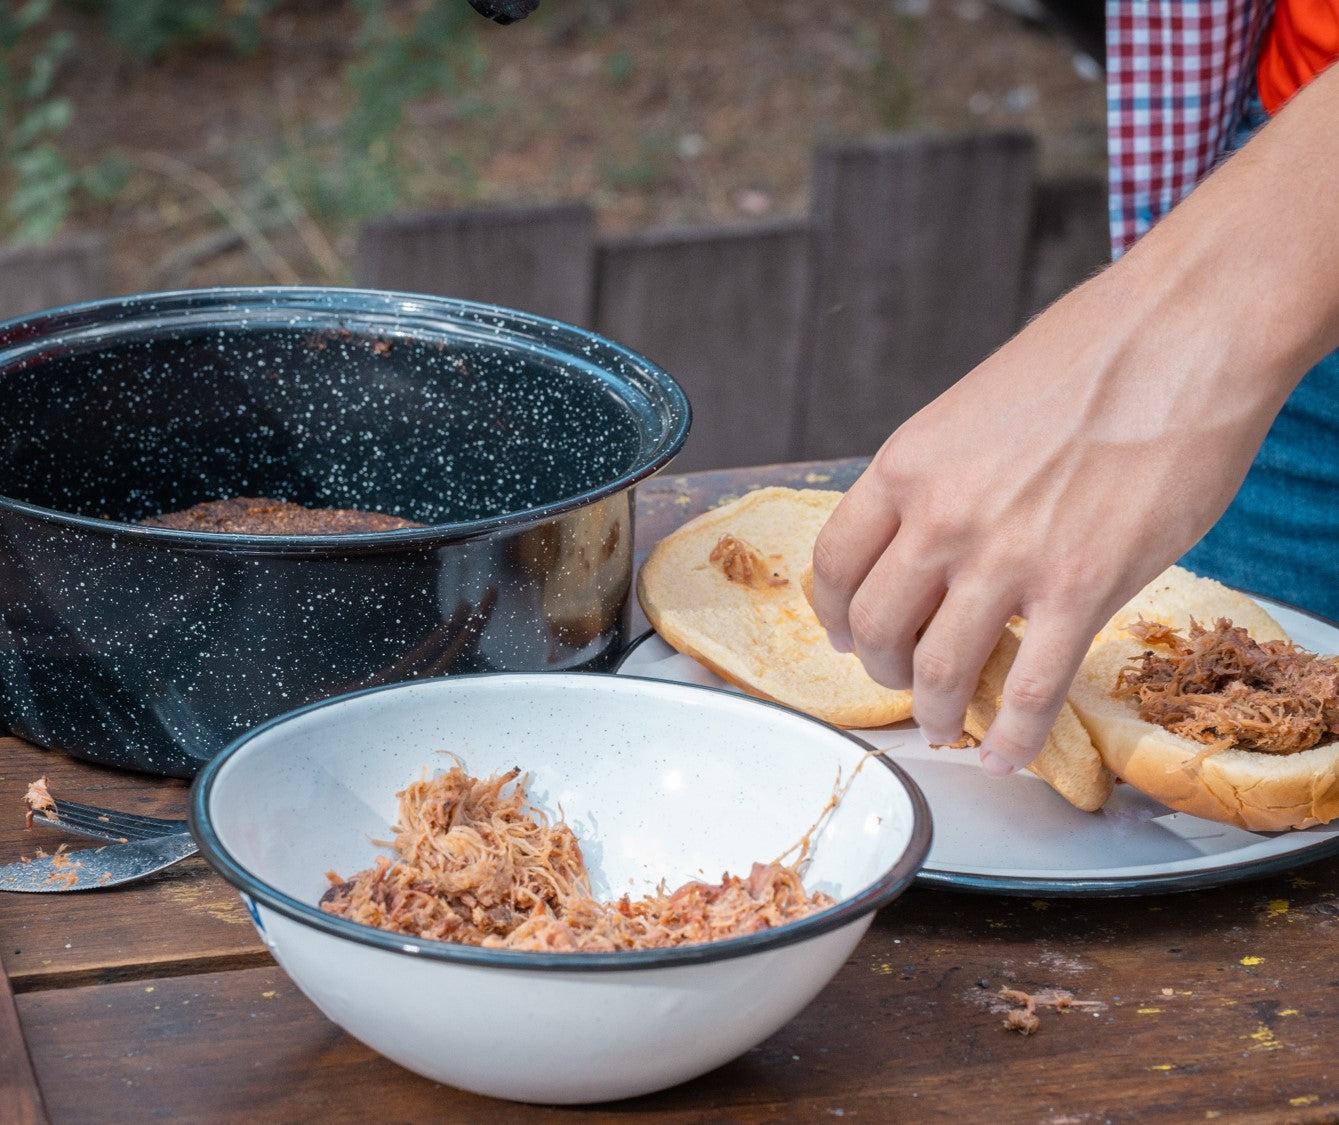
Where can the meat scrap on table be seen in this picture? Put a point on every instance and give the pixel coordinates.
(1023, 1018)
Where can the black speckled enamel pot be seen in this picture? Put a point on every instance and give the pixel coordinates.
(515, 440)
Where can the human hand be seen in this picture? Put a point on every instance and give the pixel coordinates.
(1071, 467)
(1053, 482)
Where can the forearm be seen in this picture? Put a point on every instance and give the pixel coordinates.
(1088, 452)
(1254, 250)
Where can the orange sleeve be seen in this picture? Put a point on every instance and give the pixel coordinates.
(1302, 40)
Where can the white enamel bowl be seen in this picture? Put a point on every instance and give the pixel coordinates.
(660, 781)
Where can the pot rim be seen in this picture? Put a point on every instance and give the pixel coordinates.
(663, 421)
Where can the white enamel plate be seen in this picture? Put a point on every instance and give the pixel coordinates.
(1018, 836)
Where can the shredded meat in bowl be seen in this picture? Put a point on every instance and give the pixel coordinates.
(1219, 687)
(479, 865)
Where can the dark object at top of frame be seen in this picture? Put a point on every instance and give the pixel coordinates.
(504, 11)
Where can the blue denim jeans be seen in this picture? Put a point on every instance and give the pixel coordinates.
(1280, 535)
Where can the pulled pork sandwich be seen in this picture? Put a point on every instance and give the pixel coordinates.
(479, 865)
(1194, 695)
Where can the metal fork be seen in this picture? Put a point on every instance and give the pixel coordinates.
(138, 846)
(105, 824)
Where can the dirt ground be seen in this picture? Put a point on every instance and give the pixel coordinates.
(659, 112)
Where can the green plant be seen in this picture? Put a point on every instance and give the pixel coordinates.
(37, 183)
(36, 180)
(145, 29)
(403, 57)
(406, 50)
(885, 79)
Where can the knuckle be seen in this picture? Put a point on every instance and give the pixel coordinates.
(888, 464)
(1075, 586)
(827, 561)
(943, 523)
(865, 622)
(896, 465)
(1031, 696)
(935, 527)
(936, 672)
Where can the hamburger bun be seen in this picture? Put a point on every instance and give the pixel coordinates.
(1256, 790)
(1068, 762)
(744, 613)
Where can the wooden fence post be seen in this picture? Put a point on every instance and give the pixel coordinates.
(33, 278)
(538, 259)
(918, 264)
(806, 338)
(721, 310)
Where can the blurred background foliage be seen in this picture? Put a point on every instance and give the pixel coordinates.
(37, 183)
(243, 141)
(403, 53)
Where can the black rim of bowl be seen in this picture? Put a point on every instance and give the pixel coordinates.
(882, 891)
(400, 310)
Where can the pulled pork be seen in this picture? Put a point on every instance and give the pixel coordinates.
(481, 866)
(38, 798)
(743, 563)
(1221, 688)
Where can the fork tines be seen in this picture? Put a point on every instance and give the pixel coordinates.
(107, 824)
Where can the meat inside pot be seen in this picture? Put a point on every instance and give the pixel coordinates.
(263, 516)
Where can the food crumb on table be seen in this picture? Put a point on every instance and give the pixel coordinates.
(1023, 1018)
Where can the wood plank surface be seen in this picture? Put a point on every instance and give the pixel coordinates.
(157, 1002)
(183, 919)
(539, 259)
(21, 1101)
(59, 940)
(1186, 1007)
(917, 276)
(722, 311)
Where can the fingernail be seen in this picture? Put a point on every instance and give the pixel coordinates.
(994, 765)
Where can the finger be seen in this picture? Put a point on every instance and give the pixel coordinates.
(898, 596)
(952, 650)
(1034, 691)
(855, 535)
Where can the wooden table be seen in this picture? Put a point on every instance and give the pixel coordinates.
(159, 1002)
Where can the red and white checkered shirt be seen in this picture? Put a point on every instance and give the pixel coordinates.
(1178, 76)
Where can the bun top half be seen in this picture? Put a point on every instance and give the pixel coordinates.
(727, 590)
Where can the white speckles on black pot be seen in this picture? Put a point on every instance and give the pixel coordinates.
(514, 440)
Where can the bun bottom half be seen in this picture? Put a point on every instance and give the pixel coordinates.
(1251, 789)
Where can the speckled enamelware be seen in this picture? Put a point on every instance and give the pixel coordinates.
(661, 782)
(515, 440)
